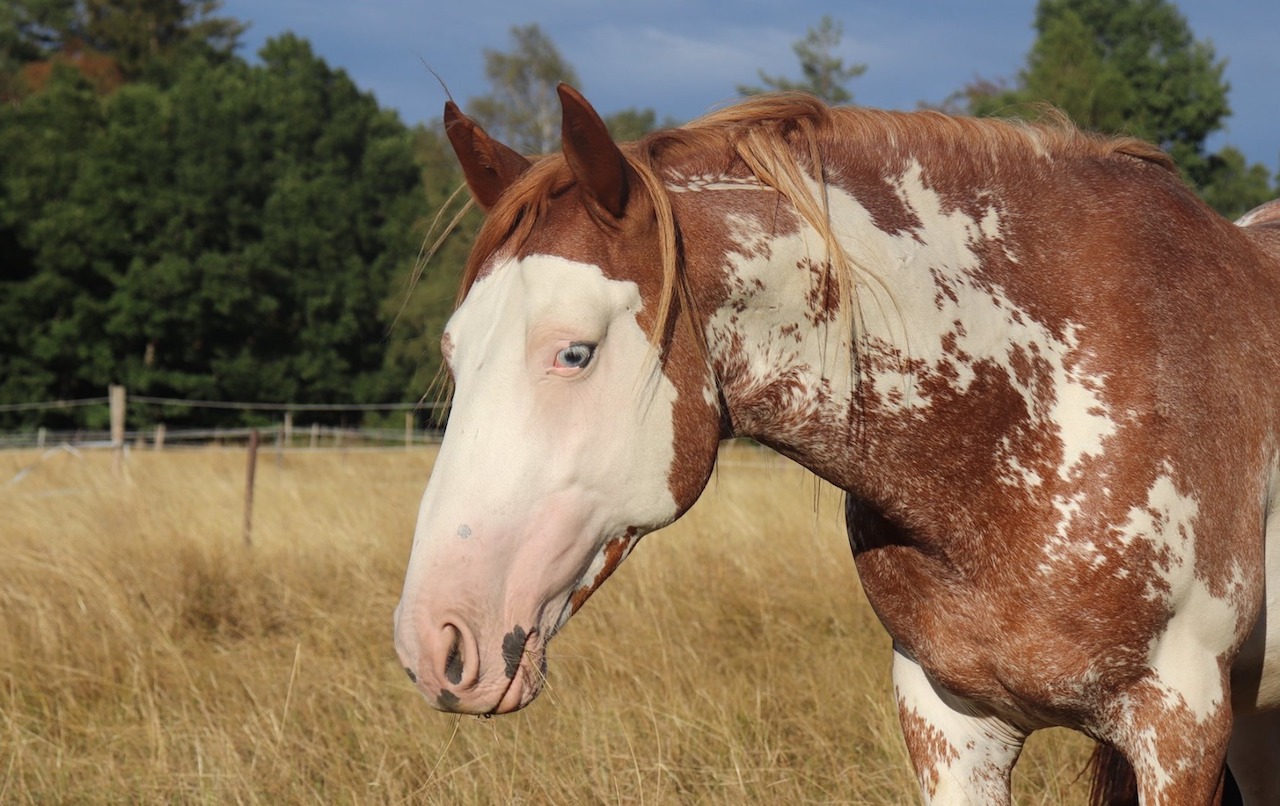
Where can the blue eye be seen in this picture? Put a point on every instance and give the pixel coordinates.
(576, 355)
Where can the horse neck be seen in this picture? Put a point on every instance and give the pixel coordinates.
(797, 361)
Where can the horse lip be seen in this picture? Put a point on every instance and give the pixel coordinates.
(525, 682)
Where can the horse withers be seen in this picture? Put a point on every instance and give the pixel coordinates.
(1044, 373)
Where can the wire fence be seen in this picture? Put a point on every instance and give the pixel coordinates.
(283, 433)
(320, 437)
(53, 405)
(287, 407)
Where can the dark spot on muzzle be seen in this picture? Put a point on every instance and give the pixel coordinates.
(413, 677)
(453, 664)
(513, 649)
(448, 700)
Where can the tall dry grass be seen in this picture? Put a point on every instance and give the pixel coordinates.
(147, 656)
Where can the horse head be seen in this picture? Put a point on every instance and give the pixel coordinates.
(584, 414)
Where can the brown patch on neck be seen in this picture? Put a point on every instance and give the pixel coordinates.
(615, 551)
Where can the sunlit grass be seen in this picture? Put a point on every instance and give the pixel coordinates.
(147, 655)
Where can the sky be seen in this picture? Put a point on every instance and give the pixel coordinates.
(683, 58)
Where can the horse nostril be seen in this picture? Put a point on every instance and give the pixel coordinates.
(412, 677)
(453, 659)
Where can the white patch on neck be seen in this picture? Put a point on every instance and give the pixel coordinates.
(986, 326)
(921, 300)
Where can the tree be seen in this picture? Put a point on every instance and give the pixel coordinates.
(421, 298)
(634, 123)
(29, 31)
(32, 29)
(1235, 187)
(824, 73)
(146, 35)
(1129, 66)
(1067, 66)
(523, 109)
(231, 236)
(50, 294)
(135, 39)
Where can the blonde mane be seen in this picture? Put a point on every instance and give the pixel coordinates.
(780, 140)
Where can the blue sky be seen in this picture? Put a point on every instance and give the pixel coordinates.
(684, 57)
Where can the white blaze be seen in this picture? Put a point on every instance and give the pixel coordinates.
(539, 470)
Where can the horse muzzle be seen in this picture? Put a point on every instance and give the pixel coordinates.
(460, 673)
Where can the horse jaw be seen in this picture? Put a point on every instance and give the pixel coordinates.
(543, 482)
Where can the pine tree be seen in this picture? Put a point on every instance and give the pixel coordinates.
(825, 74)
(523, 110)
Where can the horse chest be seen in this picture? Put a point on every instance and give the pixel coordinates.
(999, 618)
(974, 640)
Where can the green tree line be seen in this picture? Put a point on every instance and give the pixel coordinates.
(1133, 67)
(178, 220)
(194, 226)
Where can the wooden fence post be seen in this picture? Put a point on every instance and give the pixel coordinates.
(248, 488)
(40, 437)
(117, 398)
(408, 429)
(315, 435)
(288, 428)
(159, 437)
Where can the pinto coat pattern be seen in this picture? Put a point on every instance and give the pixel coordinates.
(1042, 371)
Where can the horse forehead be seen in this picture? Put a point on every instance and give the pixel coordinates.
(555, 281)
(568, 230)
(531, 287)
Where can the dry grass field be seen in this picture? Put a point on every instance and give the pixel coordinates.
(147, 656)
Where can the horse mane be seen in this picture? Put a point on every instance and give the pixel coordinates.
(780, 138)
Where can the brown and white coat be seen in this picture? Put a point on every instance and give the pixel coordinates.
(1044, 374)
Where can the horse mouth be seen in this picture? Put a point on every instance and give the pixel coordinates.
(525, 656)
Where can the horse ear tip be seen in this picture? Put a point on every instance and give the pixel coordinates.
(568, 92)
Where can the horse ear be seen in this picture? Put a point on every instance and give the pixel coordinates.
(593, 157)
(489, 166)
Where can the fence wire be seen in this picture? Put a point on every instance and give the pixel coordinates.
(312, 436)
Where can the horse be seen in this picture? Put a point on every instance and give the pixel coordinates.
(1045, 375)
